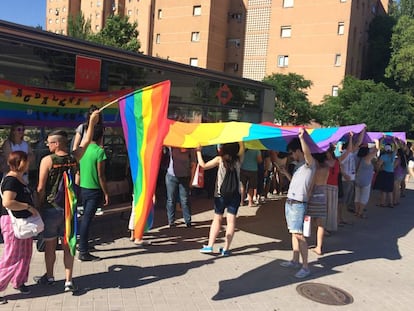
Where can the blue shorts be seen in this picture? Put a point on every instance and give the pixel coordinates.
(295, 214)
(232, 205)
(54, 219)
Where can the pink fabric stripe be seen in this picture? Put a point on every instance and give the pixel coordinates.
(15, 262)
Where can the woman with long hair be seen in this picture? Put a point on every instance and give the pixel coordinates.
(400, 170)
(363, 178)
(17, 197)
(229, 159)
(16, 142)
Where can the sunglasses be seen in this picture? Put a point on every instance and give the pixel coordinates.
(47, 143)
(19, 129)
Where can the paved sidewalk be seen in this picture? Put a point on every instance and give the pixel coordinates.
(371, 259)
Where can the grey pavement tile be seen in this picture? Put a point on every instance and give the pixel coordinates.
(371, 259)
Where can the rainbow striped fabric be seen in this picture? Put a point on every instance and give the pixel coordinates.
(71, 221)
(256, 136)
(144, 123)
(42, 107)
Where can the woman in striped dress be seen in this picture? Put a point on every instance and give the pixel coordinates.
(317, 204)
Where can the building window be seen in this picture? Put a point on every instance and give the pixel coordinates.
(286, 31)
(195, 36)
(64, 9)
(57, 21)
(129, 12)
(159, 13)
(157, 38)
(98, 3)
(50, 11)
(338, 60)
(233, 43)
(282, 60)
(50, 21)
(342, 0)
(96, 27)
(288, 3)
(197, 10)
(335, 90)
(194, 62)
(63, 20)
(341, 28)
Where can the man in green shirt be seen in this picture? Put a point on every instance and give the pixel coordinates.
(93, 189)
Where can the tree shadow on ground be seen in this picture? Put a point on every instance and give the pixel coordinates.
(372, 238)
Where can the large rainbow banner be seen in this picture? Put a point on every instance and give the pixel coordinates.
(256, 136)
(144, 123)
(42, 107)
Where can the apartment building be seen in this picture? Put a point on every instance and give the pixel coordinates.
(57, 13)
(323, 40)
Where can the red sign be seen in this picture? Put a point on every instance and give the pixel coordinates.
(224, 94)
(87, 73)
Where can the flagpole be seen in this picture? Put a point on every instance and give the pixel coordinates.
(108, 104)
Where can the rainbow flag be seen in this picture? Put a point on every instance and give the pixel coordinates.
(387, 135)
(144, 122)
(263, 136)
(71, 222)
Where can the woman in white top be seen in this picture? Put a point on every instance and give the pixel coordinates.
(16, 142)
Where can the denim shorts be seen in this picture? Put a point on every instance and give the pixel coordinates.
(54, 219)
(295, 213)
(232, 205)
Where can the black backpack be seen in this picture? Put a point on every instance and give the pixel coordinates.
(230, 186)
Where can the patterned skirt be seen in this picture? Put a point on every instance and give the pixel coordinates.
(332, 208)
(317, 202)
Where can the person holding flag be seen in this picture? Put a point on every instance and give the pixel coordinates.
(57, 219)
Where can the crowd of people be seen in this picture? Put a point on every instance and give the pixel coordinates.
(22, 202)
(320, 186)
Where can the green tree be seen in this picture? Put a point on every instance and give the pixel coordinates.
(401, 66)
(291, 103)
(118, 32)
(364, 101)
(402, 7)
(78, 27)
(379, 48)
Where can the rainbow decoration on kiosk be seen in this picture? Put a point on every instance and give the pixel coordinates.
(144, 123)
(43, 107)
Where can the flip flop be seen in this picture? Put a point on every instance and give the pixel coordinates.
(317, 253)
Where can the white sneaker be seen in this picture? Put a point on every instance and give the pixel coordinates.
(99, 212)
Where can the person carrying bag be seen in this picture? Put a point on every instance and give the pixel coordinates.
(18, 244)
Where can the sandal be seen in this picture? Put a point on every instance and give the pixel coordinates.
(142, 243)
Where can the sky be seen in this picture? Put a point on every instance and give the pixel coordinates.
(25, 12)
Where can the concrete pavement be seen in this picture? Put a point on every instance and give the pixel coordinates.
(371, 259)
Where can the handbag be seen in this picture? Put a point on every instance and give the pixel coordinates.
(198, 179)
(25, 228)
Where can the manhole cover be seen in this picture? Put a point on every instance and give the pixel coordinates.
(324, 294)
